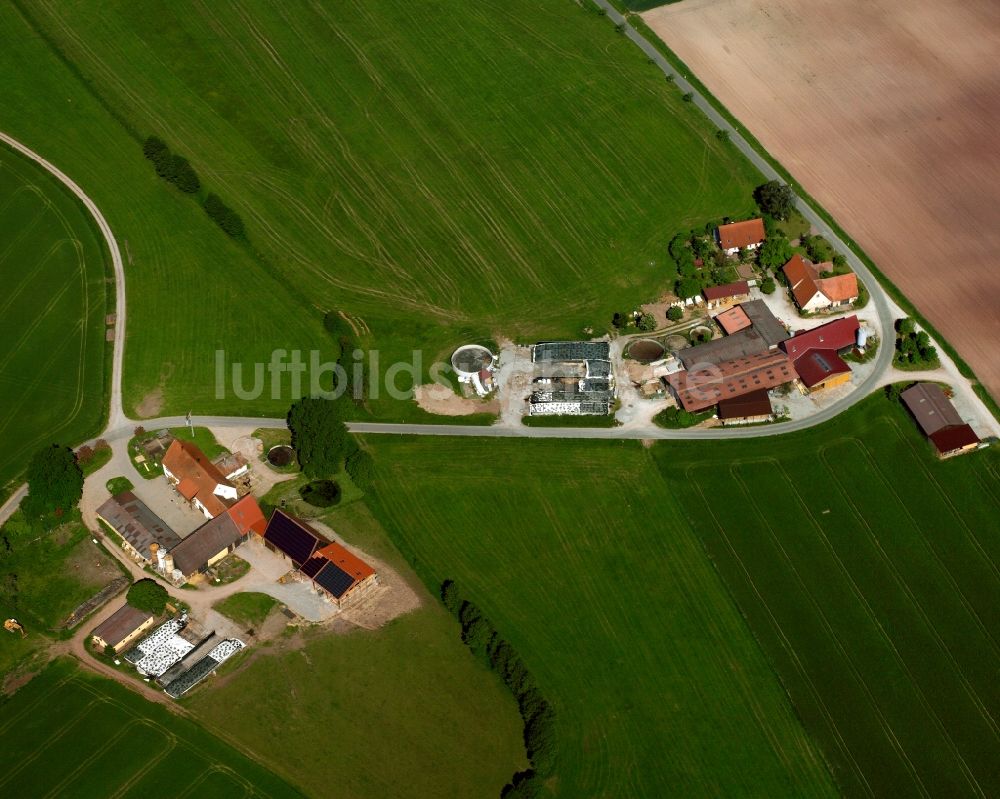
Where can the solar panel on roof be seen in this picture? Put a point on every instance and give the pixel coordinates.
(291, 538)
(334, 579)
(312, 566)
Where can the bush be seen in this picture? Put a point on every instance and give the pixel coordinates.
(321, 493)
(84, 455)
(153, 148)
(675, 314)
(55, 482)
(148, 595)
(224, 216)
(687, 98)
(361, 467)
(767, 286)
(647, 323)
(183, 175)
(722, 135)
(139, 431)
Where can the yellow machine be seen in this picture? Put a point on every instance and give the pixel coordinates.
(14, 626)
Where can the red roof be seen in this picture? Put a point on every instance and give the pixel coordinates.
(733, 320)
(836, 335)
(804, 280)
(247, 515)
(741, 234)
(703, 388)
(818, 365)
(738, 289)
(339, 556)
(953, 438)
(197, 476)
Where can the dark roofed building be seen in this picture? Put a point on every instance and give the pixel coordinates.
(752, 407)
(740, 344)
(292, 537)
(726, 294)
(121, 628)
(207, 545)
(822, 369)
(939, 420)
(561, 351)
(764, 322)
(342, 575)
(930, 407)
(836, 335)
(954, 440)
(137, 525)
(700, 389)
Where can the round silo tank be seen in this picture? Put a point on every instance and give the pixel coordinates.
(470, 359)
(862, 336)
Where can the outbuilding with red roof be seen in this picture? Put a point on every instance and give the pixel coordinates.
(737, 236)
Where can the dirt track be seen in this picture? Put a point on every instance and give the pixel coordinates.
(887, 111)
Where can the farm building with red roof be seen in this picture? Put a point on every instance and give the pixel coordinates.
(816, 353)
(814, 293)
(726, 294)
(741, 235)
(197, 479)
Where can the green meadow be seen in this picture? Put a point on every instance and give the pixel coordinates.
(69, 733)
(53, 365)
(772, 618)
(436, 170)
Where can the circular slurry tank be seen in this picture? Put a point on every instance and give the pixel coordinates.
(471, 359)
(645, 350)
(281, 455)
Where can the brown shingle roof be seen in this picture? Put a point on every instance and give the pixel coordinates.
(738, 289)
(756, 403)
(706, 387)
(192, 554)
(741, 234)
(121, 624)
(951, 439)
(930, 407)
(839, 288)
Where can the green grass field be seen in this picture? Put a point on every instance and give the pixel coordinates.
(868, 571)
(407, 711)
(52, 353)
(867, 579)
(70, 734)
(249, 608)
(437, 170)
(581, 555)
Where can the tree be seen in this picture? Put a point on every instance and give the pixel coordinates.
(55, 482)
(182, 174)
(675, 313)
(153, 148)
(319, 435)
(905, 326)
(687, 287)
(839, 261)
(620, 320)
(647, 323)
(139, 431)
(450, 597)
(745, 255)
(84, 455)
(224, 216)
(767, 286)
(893, 390)
(360, 466)
(147, 595)
(775, 198)
(722, 135)
(687, 98)
(818, 249)
(774, 253)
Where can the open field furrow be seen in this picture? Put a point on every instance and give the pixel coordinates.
(804, 590)
(803, 672)
(882, 620)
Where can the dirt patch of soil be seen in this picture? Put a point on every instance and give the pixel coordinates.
(91, 566)
(151, 404)
(442, 401)
(888, 119)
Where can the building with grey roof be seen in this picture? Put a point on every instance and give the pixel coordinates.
(137, 525)
(765, 322)
(741, 344)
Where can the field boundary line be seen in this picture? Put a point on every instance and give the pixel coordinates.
(8, 723)
(150, 765)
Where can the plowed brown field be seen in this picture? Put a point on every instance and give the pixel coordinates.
(888, 113)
